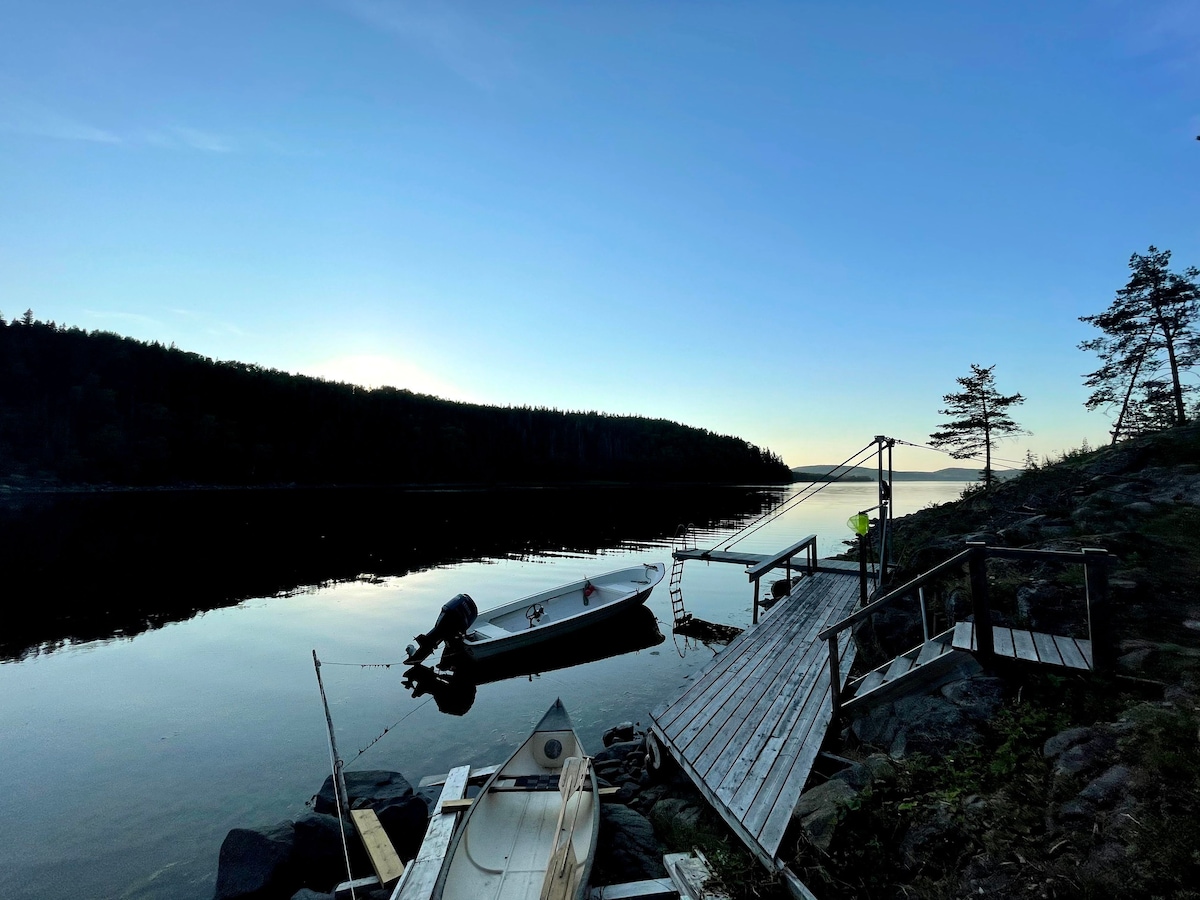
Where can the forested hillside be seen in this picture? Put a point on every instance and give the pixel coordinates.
(94, 407)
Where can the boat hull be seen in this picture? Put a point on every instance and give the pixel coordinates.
(564, 610)
(526, 835)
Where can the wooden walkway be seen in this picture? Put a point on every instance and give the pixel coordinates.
(749, 726)
(1030, 646)
(739, 558)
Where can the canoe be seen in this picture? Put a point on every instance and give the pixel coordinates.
(539, 617)
(530, 833)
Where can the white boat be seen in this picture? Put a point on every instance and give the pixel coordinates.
(530, 833)
(538, 617)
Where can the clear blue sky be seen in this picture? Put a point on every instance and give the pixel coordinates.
(794, 222)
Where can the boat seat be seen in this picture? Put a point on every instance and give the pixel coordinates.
(482, 632)
(526, 783)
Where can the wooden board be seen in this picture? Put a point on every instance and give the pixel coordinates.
(1047, 652)
(1024, 646)
(419, 878)
(748, 727)
(384, 859)
(1071, 656)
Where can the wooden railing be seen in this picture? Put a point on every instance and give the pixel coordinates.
(784, 558)
(1095, 563)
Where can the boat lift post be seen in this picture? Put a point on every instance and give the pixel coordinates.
(338, 773)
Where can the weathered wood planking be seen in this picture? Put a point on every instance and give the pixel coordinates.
(750, 724)
(738, 696)
(741, 654)
(384, 861)
(1031, 646)
(421, 875)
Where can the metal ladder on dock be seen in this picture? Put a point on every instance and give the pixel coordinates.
(675, 585)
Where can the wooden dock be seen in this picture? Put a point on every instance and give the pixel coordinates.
(740, 558)
(749, 726)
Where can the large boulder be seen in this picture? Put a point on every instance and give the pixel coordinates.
(374, 789)
(320, 863)
(820, 808)
(258, 863)
(628, 849)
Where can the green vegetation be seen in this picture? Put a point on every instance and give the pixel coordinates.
(82, 407)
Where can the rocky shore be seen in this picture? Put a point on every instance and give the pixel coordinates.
(303, 859)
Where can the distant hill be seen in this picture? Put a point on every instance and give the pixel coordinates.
(865, 473)
(97, 408)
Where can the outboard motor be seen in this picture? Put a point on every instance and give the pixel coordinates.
(453, 622)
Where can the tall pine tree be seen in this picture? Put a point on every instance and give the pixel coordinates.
(980, 419)
(1149, 341)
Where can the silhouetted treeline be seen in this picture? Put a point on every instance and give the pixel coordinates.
(96, 407)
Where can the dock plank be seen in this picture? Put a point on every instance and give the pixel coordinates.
(1024, 645)
(1047, 651)
(733, 722)
(419, 878)
(1071, 656)
(737, 715)
(732, 666)
(772, 717)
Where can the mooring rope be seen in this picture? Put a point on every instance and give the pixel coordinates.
(799, 497)
(383, 733)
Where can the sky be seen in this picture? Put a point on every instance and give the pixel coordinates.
(795, 222)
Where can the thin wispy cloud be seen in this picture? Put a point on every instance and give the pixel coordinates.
(21, 115)
(211, 326)
(180, 137)
(459, 42)
(117, 316)
(1168, 32)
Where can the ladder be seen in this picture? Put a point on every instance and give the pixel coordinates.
(685, 539)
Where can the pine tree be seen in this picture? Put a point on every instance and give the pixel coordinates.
(980, 419)
(1149, 339)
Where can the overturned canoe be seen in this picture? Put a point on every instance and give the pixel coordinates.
(531, 832)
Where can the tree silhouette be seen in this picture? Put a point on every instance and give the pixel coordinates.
(1149, 338)
(979, 419)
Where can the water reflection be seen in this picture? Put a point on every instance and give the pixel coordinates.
(93, 566)
(453, 681)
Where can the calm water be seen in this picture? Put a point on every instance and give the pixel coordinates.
(128, 759)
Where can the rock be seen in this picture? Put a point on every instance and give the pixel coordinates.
(1087, 754)
(374, 789)
(628, 849)
(405, 823)
(1107, 789)
(309, 894)
(318, 850)
(677, 812)
(874, 769)
(622, 732)
(618, 752)
(819, 810)
(977, 697)
(257, 863)
(1063, 741)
